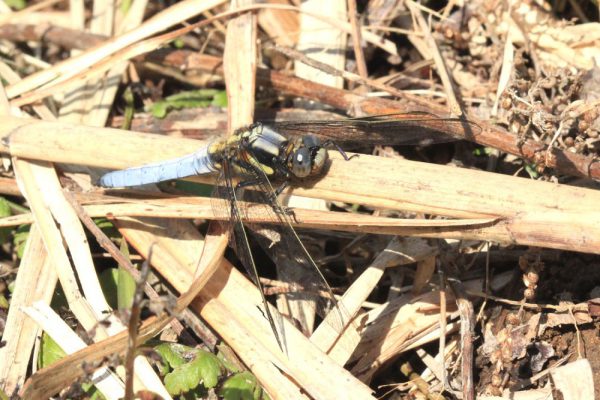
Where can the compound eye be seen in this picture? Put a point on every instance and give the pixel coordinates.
(301, 164)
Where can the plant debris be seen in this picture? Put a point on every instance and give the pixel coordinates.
(462, 266)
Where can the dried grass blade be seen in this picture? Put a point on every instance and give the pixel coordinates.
(536, 213)
(48, 381)
(36, 281)
(63, 70)
(229, 303)
(104, 379)
(325, 337)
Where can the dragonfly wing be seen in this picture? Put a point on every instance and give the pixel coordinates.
(296, 268)
(392, 129)
(225, 203)
(197, 163)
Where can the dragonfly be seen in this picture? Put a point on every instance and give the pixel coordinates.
(269, 156)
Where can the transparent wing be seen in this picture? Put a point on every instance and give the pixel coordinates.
(392, 129)
(296, 267)
(225, 204)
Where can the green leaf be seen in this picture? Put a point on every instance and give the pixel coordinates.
(125, 283)
(482, 151)
(129, 111)
(107, 227)
(188, 99)
(16, 4)
(20, 239)
(125, 6)
(59, 299)
(171, 357)
(532, 171)
(230, 366)
(178, 43)
(91, 391)
(204, 370)
(125, 288)
(4, 208)
(209, 367)
(118, 285)
(5, 211)
(3, 302)
(109, 282)
(193, 95)
(220, 99)
(50, 351)
(242, 386)
(159, 109)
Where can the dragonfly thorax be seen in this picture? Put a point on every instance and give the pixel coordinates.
(299, 157)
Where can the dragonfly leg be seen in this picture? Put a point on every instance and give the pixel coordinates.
(271, 197)
(282, 170)
(246, 128)
(331, 143)
(281, 188)
(247, 183)
(289, 211)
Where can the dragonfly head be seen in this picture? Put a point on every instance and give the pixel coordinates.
(309, 158)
